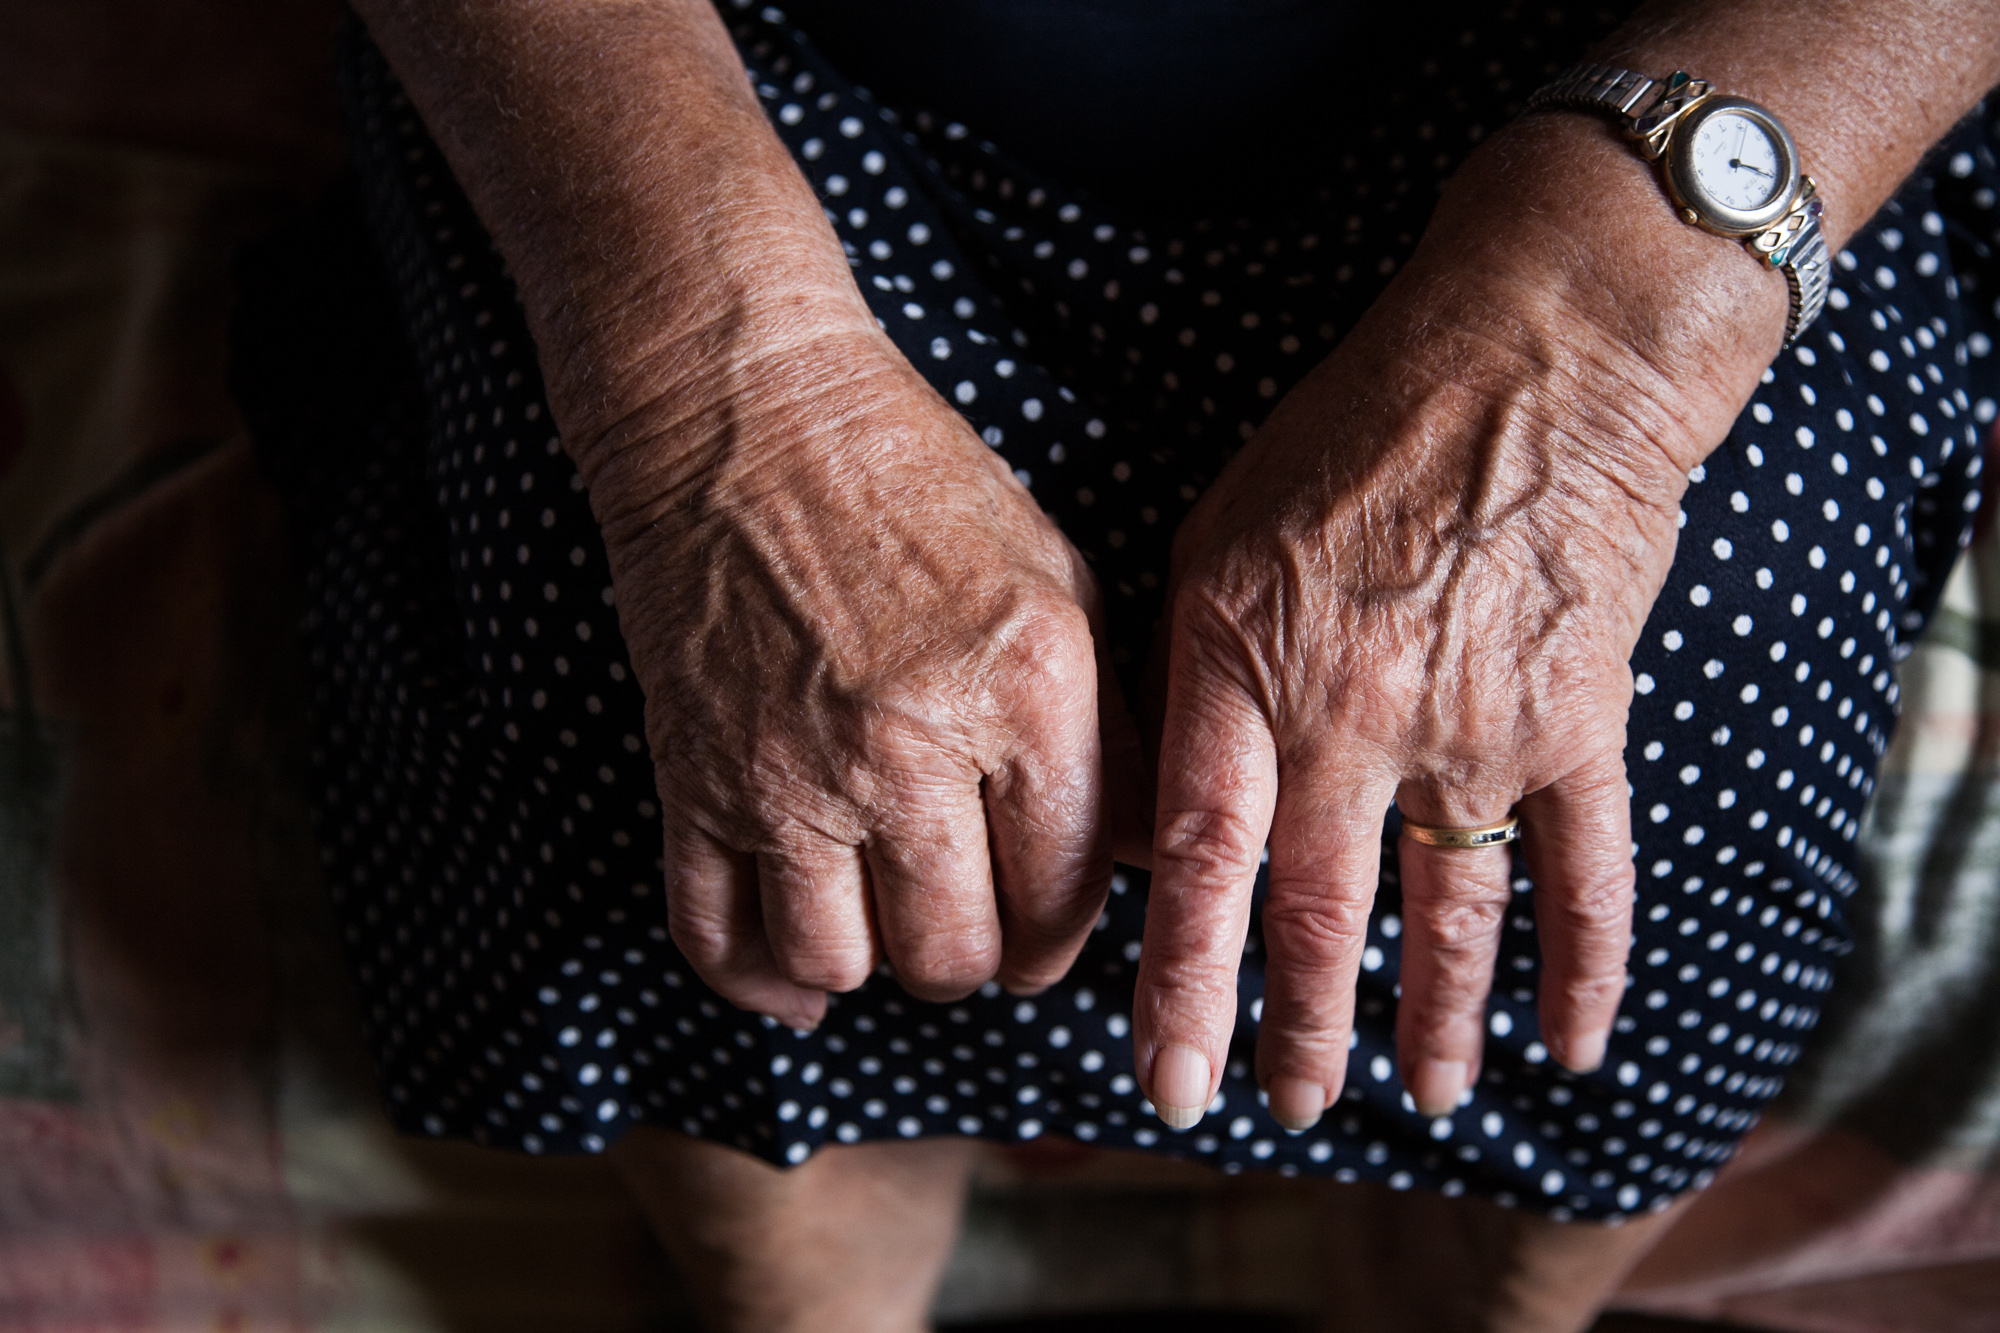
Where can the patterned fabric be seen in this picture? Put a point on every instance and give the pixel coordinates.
(487, 803)
(1908, 1055)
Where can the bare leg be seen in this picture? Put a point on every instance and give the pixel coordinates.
(1420, 1262)
(854, 1241)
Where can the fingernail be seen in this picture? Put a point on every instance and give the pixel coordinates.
(1585, 1053)
(1435, 1085)
(1295, 1103)
(1180, 1085)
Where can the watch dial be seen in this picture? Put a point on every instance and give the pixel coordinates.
(1735, 161)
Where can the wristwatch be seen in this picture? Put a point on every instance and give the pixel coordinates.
(1729, 166)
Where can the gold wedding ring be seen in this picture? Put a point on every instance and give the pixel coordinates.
(1486, 835)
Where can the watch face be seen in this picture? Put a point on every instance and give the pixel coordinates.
(1732, 166)
(1736, 162)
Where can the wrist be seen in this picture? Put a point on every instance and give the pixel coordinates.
(650, 366)
(760, 401)
(1577, 247)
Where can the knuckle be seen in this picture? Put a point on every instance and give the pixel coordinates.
(1171, 985)
(896, 761)
(1319, 930)
(1583, 997)
(1222, 630)
(829, 966)
(1206, 845)
(1303, 1016)
(1050, 651)
(1458, 928)
(1599, 966)
(1600, 905)
(789, 806)
(950, 970)
(706, 942)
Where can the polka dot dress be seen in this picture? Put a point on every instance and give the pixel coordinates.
(491, 831)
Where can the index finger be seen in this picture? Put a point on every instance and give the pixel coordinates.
(1218, 788)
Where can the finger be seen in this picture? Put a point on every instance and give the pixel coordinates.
(1051, 864)
(1045, 809)
(1218, 783)
(1326, 853)
(716, 922)
(1577, 839)
(931, 877)
(814, 895)
(1454, 905)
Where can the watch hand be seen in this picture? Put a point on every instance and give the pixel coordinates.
(1740, 165)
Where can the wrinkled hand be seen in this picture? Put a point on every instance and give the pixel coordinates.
(872, 692)
(1422, 581)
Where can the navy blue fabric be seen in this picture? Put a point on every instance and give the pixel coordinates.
(492, 837)
(1111, 93)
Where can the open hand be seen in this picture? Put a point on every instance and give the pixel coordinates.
(1422, 582)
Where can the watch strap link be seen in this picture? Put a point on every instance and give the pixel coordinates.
(1796, 246)
(1595, 88)
(1648, 107)
(1808, 276)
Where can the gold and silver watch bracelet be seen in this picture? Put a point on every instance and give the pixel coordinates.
(1650, 111)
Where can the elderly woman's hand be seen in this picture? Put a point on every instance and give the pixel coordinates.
(873, 694)
(1422, 582)
(872, 691)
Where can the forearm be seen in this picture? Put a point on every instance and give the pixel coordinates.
(658, 230)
